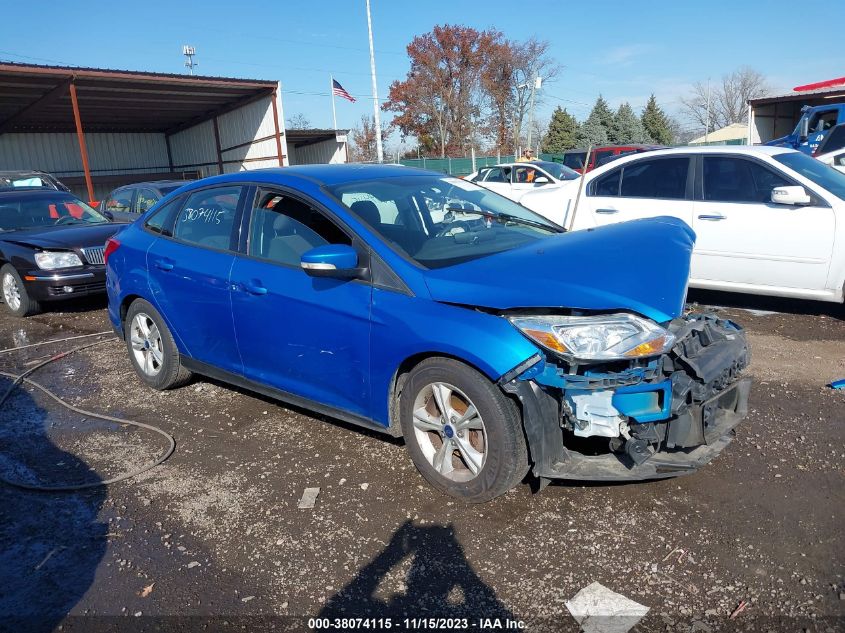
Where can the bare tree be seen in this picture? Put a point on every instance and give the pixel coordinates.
(531, 60)
(362, 140)
(728, 99)
(298, 122)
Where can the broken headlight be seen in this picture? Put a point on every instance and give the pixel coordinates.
(603, 337)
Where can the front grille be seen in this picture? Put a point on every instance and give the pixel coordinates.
(94, 254)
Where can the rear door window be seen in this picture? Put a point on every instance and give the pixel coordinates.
(607, 185)
(144, 199)
(282, 228)
(120, 200)
(208, 217)
(661, 178)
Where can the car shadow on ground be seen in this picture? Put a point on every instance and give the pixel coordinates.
(768, 304)
(439, 582)
(50, 543)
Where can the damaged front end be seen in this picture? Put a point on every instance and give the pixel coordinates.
(652, 415)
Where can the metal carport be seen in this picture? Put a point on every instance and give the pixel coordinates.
(96, 128)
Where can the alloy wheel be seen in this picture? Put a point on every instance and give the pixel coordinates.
(11, 292)
(145, 338)
(450, 432)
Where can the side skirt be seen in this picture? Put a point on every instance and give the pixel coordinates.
(277, 394)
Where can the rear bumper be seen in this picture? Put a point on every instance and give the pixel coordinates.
(552, 460)
(43, 285)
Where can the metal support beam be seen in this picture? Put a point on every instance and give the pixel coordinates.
(169, 152)
(217, 145)
(44, 100)
(276, 128)
(80, 135)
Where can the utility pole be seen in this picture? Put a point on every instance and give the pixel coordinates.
(535, 86)
(189, 52)
(379, 150)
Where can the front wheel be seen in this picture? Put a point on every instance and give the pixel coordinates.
(15, 295)
(464, 435)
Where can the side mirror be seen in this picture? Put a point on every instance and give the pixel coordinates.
(339, 261)
(804, 129)
(541, 180)
(109, 215)
(791, 195)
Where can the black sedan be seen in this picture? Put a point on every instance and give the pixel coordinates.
(51, 248)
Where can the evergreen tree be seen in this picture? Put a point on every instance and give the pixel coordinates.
(562, 132)
(627, 127)
(657, 124)
(598, 127)
(591, 132)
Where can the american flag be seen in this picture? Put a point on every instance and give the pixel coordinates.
(340, 91)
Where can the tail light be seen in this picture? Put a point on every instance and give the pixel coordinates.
(112, 245)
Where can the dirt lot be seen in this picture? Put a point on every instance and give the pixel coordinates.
(214, 536)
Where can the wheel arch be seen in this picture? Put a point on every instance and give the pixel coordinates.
(400, 376)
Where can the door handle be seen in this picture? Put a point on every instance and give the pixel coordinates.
(163, 265)
(606, 211)
(255, 288)
(712, 218)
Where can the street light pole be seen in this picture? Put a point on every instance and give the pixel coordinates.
(379, 150)
(538, 81)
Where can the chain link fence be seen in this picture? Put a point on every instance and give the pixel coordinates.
(463, 166)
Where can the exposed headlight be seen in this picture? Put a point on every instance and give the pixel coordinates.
(604, 337)
(48, 260)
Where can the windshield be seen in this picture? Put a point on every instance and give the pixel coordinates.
(439, 221)
(32, 211)
(823, 175)
(560, 172)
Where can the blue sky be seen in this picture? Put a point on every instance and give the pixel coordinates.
(623, 50)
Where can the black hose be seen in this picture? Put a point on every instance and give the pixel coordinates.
(23, 378)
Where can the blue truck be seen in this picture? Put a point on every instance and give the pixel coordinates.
(815, 124)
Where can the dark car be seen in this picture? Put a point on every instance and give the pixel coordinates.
(128, 202)
(31, 178)
(51, 248)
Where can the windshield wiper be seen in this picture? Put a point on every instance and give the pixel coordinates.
(519, 220)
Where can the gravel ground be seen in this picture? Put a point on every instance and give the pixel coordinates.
(214, 536)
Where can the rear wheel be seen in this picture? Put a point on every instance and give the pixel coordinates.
(15, 295)
(152, 350)
(464, 435)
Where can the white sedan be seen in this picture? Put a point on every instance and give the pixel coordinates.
(513, 180)
(768, 220)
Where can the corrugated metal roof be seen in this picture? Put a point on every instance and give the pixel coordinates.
(797, 96)
(37, 98)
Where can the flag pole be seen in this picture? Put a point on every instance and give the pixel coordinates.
(379, 150)
(331, 91)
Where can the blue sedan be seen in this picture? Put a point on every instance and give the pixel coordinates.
(494, 343)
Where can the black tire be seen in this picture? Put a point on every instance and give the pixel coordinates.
(170, 373)
(27, 305)
(505, 453)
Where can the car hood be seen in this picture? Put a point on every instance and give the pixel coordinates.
(63, 237)
(642, 266)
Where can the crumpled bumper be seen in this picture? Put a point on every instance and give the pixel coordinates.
(698, 400)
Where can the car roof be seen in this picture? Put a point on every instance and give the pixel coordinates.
(156, 183)
(21, 172)
(320, 174)
(7, 193)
